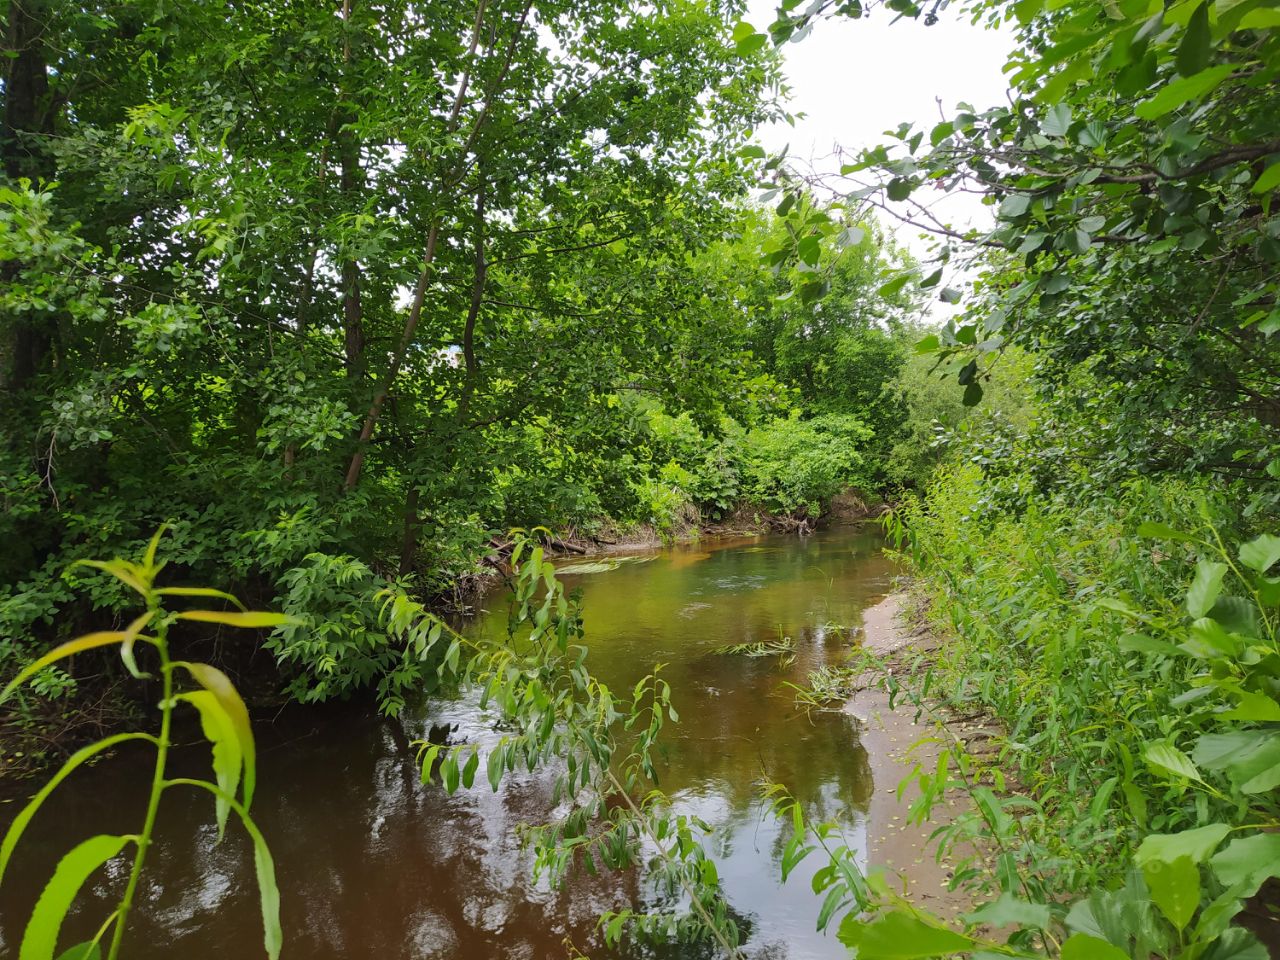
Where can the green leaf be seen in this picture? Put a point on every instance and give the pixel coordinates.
(100, 638)
(1196, 845)
(1250, 758)
(19, 824)
(1009, 910)
(1269, 179)
(127, 573)
(1014, 206)
(1175, 888)
(82, 951)
(249, 620)
(1206, 586)
(131, 633)
(1032, 242)
(1260, 553)
(41, 936)
(1081, 946)
(1141, 643)
(901, 936)
(1249, 861)
(972, 395)
(494, 765)
(1057, 121)
(220, 685)
(1167, 758)
(892, 286)
(1193, 51)
(199, 592)
(928, 344)
(1161, 531)
(1173, 95)
(900, 188)
(1253, 707)
(228, 761)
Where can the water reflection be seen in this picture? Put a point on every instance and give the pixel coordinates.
(373, 864)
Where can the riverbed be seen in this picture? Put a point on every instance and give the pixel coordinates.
(374, 864)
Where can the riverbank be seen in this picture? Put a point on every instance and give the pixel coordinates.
(896, 742)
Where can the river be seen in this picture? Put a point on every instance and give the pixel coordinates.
(372, 864)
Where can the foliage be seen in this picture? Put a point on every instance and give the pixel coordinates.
(1132, 175)
(553, 712)
(795, 466)
(224, 720)
(370, 284)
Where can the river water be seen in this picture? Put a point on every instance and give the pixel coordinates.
(372, 864)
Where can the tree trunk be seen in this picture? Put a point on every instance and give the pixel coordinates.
(28, 120)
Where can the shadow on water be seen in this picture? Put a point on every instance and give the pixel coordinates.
(373, 864)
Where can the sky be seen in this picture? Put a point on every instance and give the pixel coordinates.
(854, 79)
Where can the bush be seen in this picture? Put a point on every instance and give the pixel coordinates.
(796, 466)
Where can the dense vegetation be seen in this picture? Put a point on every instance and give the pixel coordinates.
(342, 294)
(1103, 563)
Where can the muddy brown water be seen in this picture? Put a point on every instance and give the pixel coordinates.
(373, 864)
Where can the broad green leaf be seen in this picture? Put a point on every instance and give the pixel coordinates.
(1173, 95)
(1249, 861)
(1167, 758)
(1204, 589)
(220, 685)
(41, 936)
(1175, 888)
(1193, 50)
(928, 344)
(1057, 121)
(1262, 551)
(1253, 707)
(902, 936)
(1081, 946)
(892, 286)
(227, 758)
(101, 638)
(1250, 758)
(19, 824)
(1196, 845)
(1269, 179)
(82, 951)
(1014, 206)
(253, 619)
(1236, 943)
(1009, 910)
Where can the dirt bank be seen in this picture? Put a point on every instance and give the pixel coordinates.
(895, 742)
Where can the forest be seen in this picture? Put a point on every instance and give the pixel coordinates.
(322, 322)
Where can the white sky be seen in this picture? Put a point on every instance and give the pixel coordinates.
(854, 79)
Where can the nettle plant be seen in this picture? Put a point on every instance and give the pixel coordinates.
(1220, 768)
(225, 722)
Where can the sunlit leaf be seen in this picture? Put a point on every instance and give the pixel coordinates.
(253, 619)
(220, 685)
(228, 761)
(90, 641)
(40, 939)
